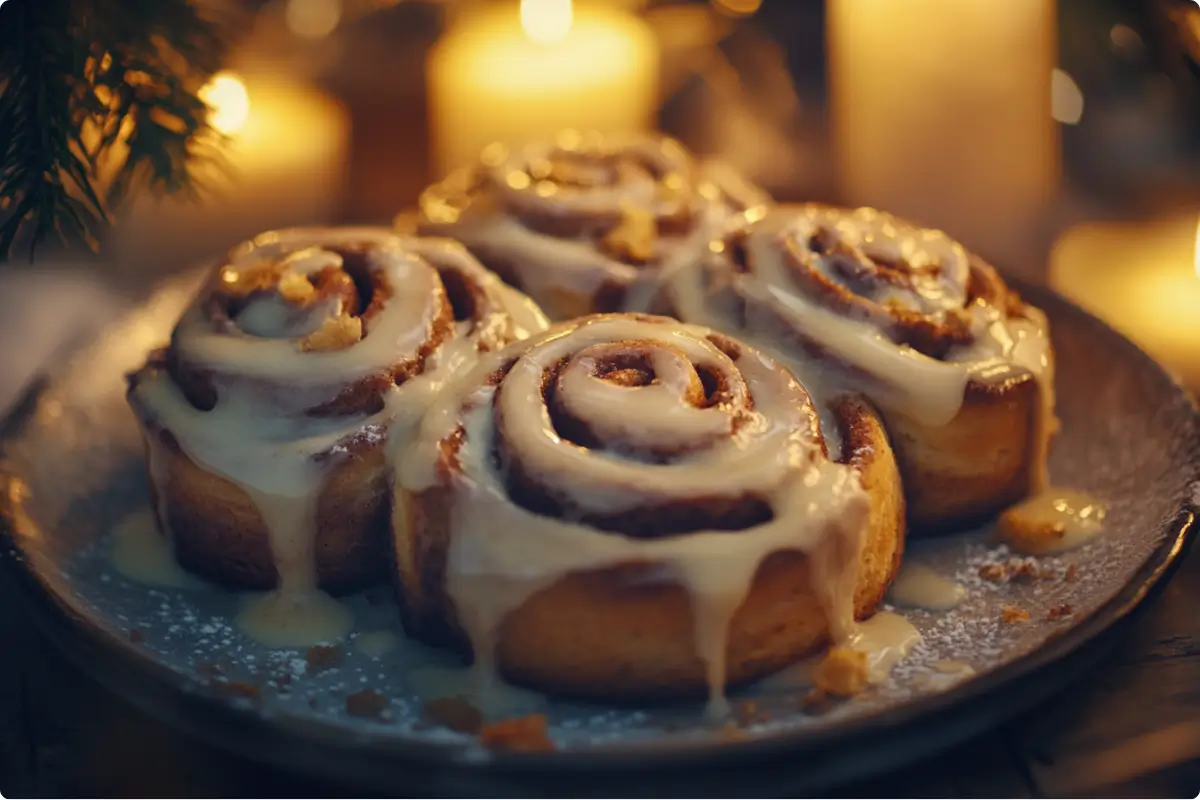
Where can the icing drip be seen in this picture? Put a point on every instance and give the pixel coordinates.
(918, 586)
(569, 218)
(899, 313)
(142, 554)
(760, 440)
(376, 643)
(280, 421)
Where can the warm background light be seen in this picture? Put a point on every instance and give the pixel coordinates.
(230, 103)
(1143, 279)
(940, 112)
(313, 19)
(284, 166)
(737, 8)
(546, 21)
(1198, 252)
(1066, 98)
(490, 81)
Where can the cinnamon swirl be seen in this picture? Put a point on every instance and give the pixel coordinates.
(629, 508)
(586, 223)
(960, 367)
(265, 419)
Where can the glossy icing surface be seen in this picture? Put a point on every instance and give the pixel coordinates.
(262, 433)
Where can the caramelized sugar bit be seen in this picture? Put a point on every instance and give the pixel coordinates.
(842, 672)
(816, 702)
(1023, 570)
(1061, 611)
(336, 333)
(996, 573)
(454, 713)
(1013, 614)
(244, 281)
(322, 656)
(296, 289)
(367, 704)
(243, 689)
(522, 734)
(634, 236)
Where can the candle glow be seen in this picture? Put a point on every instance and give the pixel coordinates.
(546, 21)
(1198, 247)
(230, 102)
(509, 75)
(1144, 280)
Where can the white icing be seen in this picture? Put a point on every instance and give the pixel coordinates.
(1057, 520)
(918, 586)
(897, 377)
(376, 643)
(502, 554)
(142, 554)
(887, 639)
(294, 618)
(259, 436)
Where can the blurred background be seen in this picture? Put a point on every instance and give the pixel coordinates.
(1059, 139)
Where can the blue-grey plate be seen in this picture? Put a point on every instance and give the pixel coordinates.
(72, 467)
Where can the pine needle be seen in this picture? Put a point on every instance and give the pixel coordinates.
(97, 98)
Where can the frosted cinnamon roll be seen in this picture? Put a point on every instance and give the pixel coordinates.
(960, 367)
(265, 419)
(586, 223)
(628, 508)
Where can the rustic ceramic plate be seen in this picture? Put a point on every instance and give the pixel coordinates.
(72, 466)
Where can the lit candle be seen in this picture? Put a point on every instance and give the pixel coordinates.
(941, 113)
(500, 75)
(1144, 280)
(284, 164)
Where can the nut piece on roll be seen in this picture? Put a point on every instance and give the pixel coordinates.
(960, 367)
(586, 223)
(266, 418)
(626, 508)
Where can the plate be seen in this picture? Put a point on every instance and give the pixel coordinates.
(72, 468)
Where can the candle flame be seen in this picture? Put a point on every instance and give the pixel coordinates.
(546, 21)
(228, 101)
(1066, 98)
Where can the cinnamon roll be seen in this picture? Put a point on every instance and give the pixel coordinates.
(628, 508)
(960, 367)
(266, 418)
(586, 223)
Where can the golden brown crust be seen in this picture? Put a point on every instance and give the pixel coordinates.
(611, 634)
(968, 470)
(218, 533)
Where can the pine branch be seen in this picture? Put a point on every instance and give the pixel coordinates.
(98, 97)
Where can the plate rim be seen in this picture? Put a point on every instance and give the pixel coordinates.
(91, 646)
